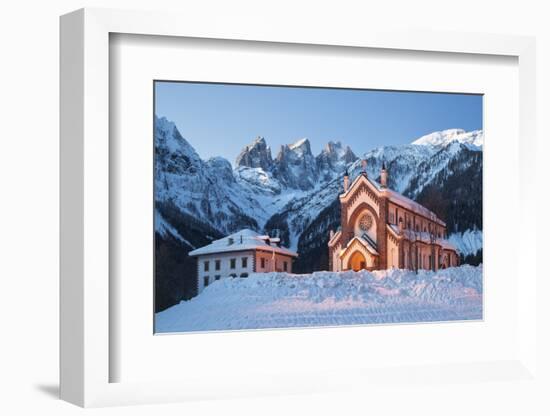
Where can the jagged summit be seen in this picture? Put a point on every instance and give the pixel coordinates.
(255, 155)
(336, 150)
(334, 159)
(301, 145)
(295, 166)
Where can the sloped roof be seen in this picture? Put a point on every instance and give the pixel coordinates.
(421, 236)
(405, 202)
(363, 242)
(396, 198)
(245, 239)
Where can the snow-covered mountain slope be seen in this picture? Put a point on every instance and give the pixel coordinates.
(445, 137)
(206, 190)
(281, 300)
(258, 179)
(164, 229)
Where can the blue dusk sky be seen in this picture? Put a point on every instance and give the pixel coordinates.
(220, 119)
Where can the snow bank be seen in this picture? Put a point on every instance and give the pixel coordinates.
(282, 300)
(468, 242)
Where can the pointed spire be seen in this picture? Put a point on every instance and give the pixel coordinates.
(346, 181)
(383, 176)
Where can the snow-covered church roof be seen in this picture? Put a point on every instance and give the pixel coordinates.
(396, 198)
(243, 240)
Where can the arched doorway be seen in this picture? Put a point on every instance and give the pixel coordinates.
(357, 261)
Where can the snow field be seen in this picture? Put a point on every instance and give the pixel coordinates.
(282, 300)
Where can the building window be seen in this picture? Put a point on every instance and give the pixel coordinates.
(244, 262)
(262, 262)
(244, 274)
(206, 266)
(217, 277)
(285, 266)
(392, 218)
(217, 264)
(232, 263)
(206, 281)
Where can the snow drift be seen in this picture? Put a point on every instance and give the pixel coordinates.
(282, 300)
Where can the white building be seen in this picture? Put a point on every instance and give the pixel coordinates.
(240, 254)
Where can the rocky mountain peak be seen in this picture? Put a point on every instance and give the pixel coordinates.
(348, 156)
(173, 153)
(334, 158)
(301, 147)
(295, 166)
(337, 151)
(256, 155)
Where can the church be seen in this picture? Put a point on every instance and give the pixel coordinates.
(382, 229)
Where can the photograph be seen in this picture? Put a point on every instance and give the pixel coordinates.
(296, 206)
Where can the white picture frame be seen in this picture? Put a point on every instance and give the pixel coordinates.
(86, 356)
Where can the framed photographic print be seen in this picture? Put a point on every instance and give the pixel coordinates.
(281, 212)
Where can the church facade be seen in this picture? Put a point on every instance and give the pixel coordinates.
(382, 229)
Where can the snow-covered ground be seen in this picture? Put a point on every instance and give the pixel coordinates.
(282, 300)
